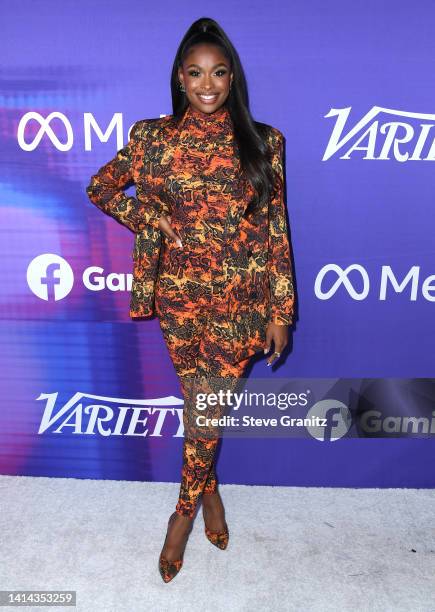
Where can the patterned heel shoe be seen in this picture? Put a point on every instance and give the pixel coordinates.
(169, 569)
(218, 539)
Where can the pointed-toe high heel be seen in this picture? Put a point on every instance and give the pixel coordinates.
(169, 569)
(218, 539)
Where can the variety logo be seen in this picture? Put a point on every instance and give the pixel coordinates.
(112, 416)
(399, 139)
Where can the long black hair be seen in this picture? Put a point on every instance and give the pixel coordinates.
(250, 136)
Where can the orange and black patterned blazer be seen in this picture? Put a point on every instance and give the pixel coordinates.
(256, 270)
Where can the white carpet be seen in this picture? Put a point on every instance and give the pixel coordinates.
(298, 549)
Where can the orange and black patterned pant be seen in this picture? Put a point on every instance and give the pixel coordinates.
(193, 335)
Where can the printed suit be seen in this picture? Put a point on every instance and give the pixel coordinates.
(214, 296)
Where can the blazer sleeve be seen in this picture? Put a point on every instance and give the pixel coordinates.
(279, 253)
(105, 189)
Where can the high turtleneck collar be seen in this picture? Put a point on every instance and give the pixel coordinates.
(218, 121)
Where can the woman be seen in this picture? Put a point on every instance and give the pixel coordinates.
(212, 184)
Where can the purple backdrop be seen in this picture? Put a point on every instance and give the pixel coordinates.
(349, 86)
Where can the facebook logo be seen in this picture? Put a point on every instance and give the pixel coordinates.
(332, 420)
(50, 277)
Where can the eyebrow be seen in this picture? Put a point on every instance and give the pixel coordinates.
(215, 66)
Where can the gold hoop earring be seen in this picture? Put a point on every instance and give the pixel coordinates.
(181, 86)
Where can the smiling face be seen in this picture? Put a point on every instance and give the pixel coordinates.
(206, 76)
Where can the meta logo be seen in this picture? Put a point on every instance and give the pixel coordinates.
(357, 285)
(31, 119)
(398, 139)
(51, 278)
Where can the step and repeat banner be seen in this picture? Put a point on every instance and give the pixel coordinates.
(89, 393)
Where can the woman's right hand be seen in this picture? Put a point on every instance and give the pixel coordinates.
(166, 228)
